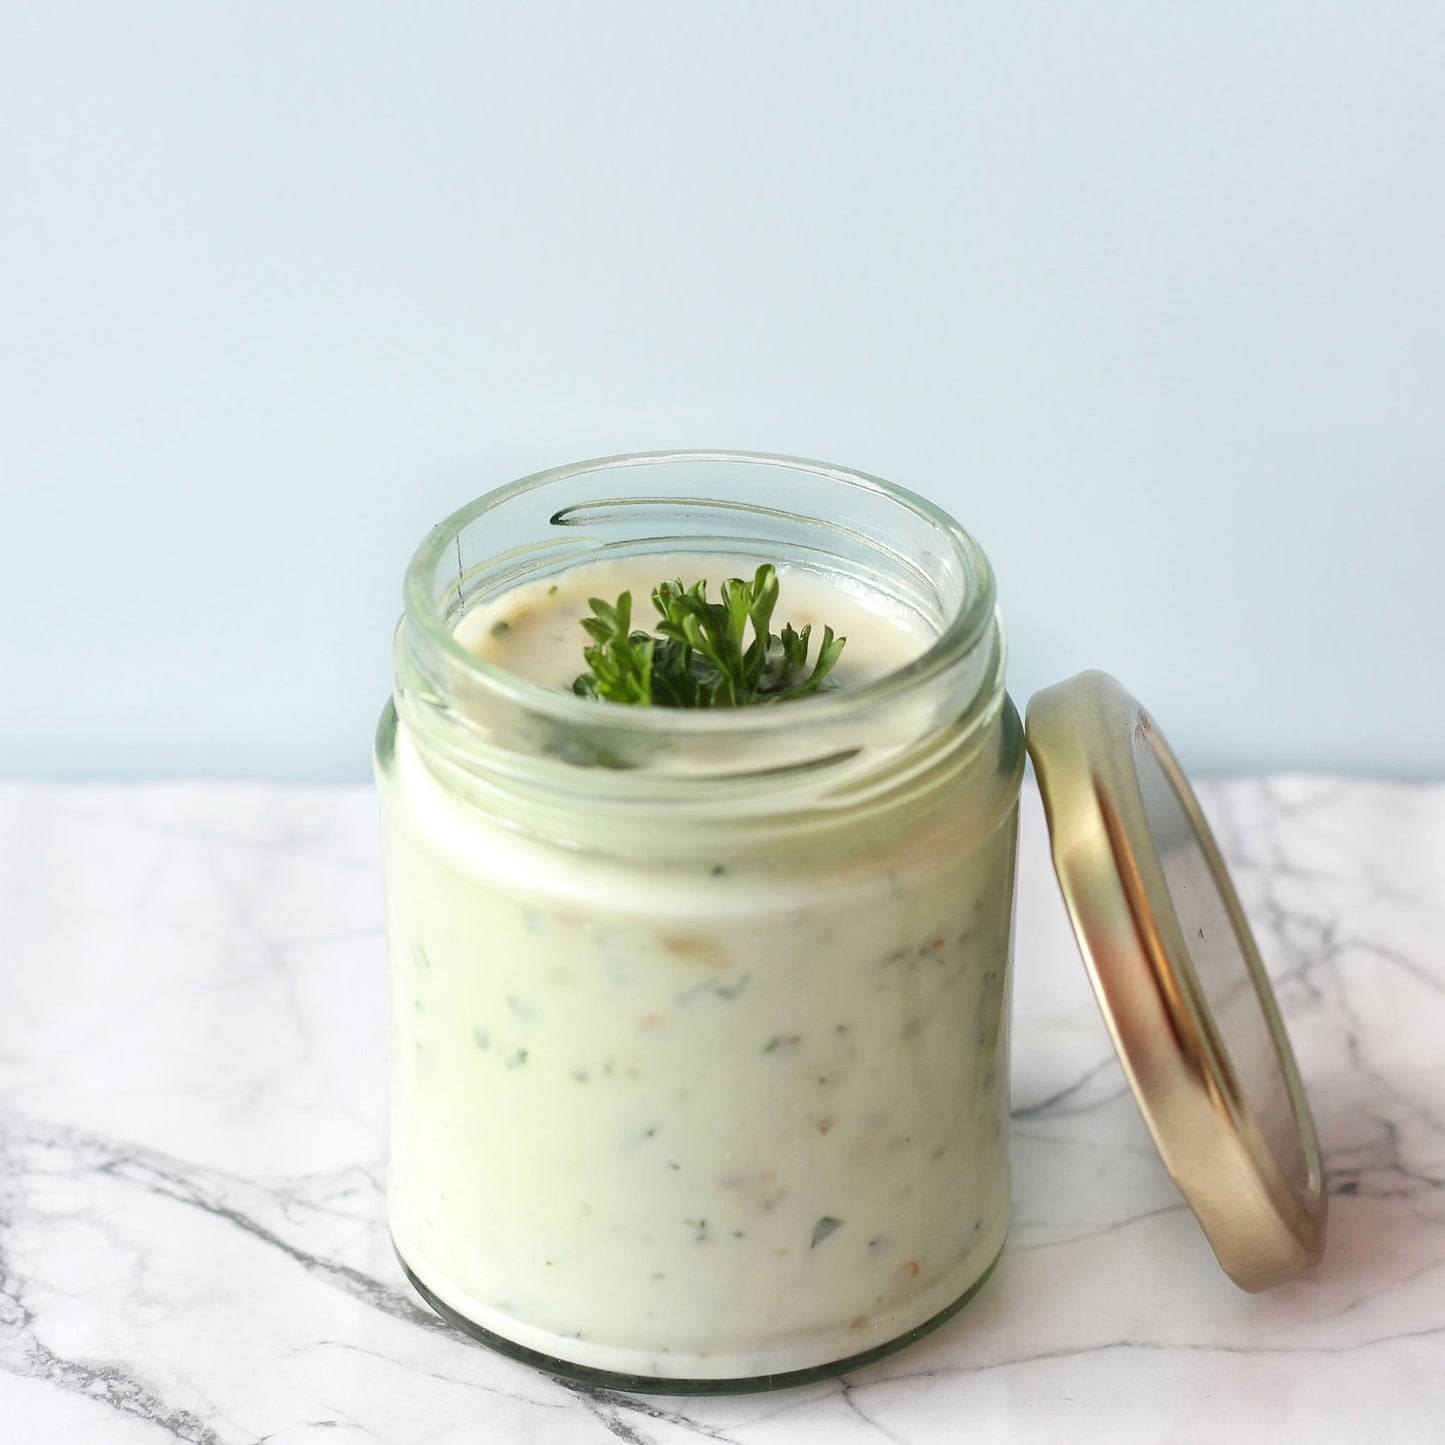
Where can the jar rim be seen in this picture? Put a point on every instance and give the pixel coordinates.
(431, 635)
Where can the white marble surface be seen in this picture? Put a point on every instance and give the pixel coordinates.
(192, 1244)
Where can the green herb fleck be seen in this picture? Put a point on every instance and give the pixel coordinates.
(501, 629)
(822, 1229)
(698, 656)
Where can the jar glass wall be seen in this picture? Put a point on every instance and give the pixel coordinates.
(700, 1018)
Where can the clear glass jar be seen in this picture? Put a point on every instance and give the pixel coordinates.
(700, 1018)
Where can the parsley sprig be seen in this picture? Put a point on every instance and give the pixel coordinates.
(699, 655)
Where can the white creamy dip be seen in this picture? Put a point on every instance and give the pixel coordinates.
(534, 631)
(723, 1115)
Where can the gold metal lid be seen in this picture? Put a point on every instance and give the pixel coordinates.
(1179, 979)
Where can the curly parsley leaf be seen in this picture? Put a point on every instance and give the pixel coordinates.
(701, 654)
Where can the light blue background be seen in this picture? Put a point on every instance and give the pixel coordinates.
(1151, 296)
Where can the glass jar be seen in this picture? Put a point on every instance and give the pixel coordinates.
(699, 1019)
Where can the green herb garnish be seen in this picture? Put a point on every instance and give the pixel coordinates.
(698, 656)
(822, 1229)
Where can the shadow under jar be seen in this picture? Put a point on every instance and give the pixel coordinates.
(699, 1018)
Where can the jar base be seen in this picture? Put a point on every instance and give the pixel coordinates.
(663, 1385)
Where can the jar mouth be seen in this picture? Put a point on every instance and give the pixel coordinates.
(431, 611)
